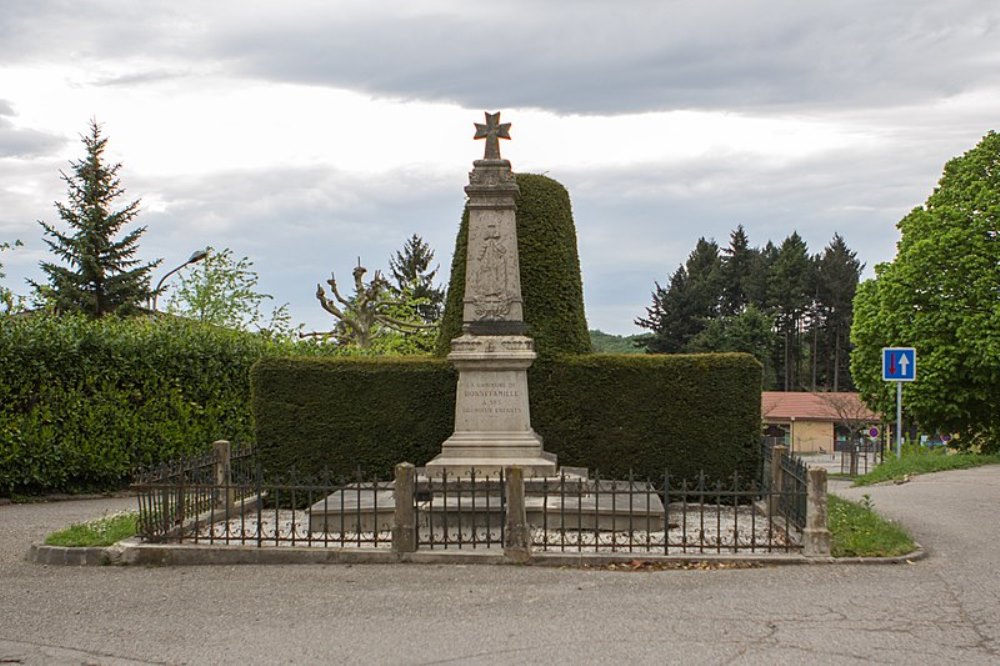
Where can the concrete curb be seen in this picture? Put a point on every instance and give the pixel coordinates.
(133, 552)
(62, 555)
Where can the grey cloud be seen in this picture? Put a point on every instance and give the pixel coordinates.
(570, 57)
(16, 142)
(299, 225)
(580, 58)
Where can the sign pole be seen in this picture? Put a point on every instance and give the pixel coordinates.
(899, 420)
(899, 364)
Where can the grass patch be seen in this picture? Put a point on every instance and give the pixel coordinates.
(916, 460)
(96, 533)
(857, 531)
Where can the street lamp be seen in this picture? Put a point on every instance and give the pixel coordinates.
(195, 257)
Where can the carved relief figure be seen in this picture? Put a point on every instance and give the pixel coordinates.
(491, 289)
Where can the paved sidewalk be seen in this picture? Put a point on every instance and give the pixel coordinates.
(945, 609)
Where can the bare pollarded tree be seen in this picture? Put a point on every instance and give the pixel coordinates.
(374, 308)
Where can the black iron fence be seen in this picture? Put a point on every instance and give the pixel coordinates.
(666, 516)
(467, 511)
(224, 498)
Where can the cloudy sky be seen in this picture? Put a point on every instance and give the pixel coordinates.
(304, 134)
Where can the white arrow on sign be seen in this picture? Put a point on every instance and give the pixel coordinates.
(904, 363)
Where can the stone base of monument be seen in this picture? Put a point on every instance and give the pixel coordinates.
(570, 502)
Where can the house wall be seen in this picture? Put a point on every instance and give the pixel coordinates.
(812, 436)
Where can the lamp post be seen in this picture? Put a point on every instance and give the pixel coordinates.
(195, 257)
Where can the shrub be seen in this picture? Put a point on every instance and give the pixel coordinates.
(612, 413)
(550, 271)
(82, 401)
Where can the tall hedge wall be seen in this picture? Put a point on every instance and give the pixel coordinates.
(608, 412)
(550, 271)
(82, 401)
(335, 415)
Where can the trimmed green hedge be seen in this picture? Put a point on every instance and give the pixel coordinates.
(550, 271)
(82, 401)
(611, 413)
(317, 416)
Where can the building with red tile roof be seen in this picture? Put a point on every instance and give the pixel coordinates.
(815, 422)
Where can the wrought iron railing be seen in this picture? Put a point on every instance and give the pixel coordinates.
(666, 516)
(466, 511)
(194, 500)
(225, 498)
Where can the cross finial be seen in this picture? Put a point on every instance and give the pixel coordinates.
(492, 131)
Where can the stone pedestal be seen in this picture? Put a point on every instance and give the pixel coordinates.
(492, 417)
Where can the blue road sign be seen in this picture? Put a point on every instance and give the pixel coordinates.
(899, 364)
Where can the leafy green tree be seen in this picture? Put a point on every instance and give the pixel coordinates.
(411, 271)
(9, 301)
(941, 295)
(222, 290)
(751, 331)
(102, 275)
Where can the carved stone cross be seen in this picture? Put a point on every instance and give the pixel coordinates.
(492, 131)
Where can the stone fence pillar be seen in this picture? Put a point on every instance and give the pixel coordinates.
(223, 474)
(517, 532)
(777, 483)
(404, 527)
(816, 535)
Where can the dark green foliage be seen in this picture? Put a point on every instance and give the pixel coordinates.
(550, 271)
(789, 309)
(837, 273)
(617, 413)
(681, 311)
(103, 276)
(411, 270)
(336, 415)
(82, 401)
(612, 413)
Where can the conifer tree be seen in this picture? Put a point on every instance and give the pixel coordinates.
(101, 275)
(790, 290)
(410, 269)
(692, 299)
(837, 274)
(737, 268)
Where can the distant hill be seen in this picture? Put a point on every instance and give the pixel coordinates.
(607, 343)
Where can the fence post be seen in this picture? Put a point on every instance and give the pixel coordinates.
(816, 535)
(517, 534)
(404, 529)
(222, 466)
(777, 483)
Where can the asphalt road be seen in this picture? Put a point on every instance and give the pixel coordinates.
(945, 609)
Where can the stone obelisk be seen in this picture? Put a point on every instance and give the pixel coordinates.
(492, 356)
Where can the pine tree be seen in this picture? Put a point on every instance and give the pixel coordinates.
(737, 267)
(410, 271)
(102, 276)
(684, 308)
(669, 316)
(837, 274)
(790, 288)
